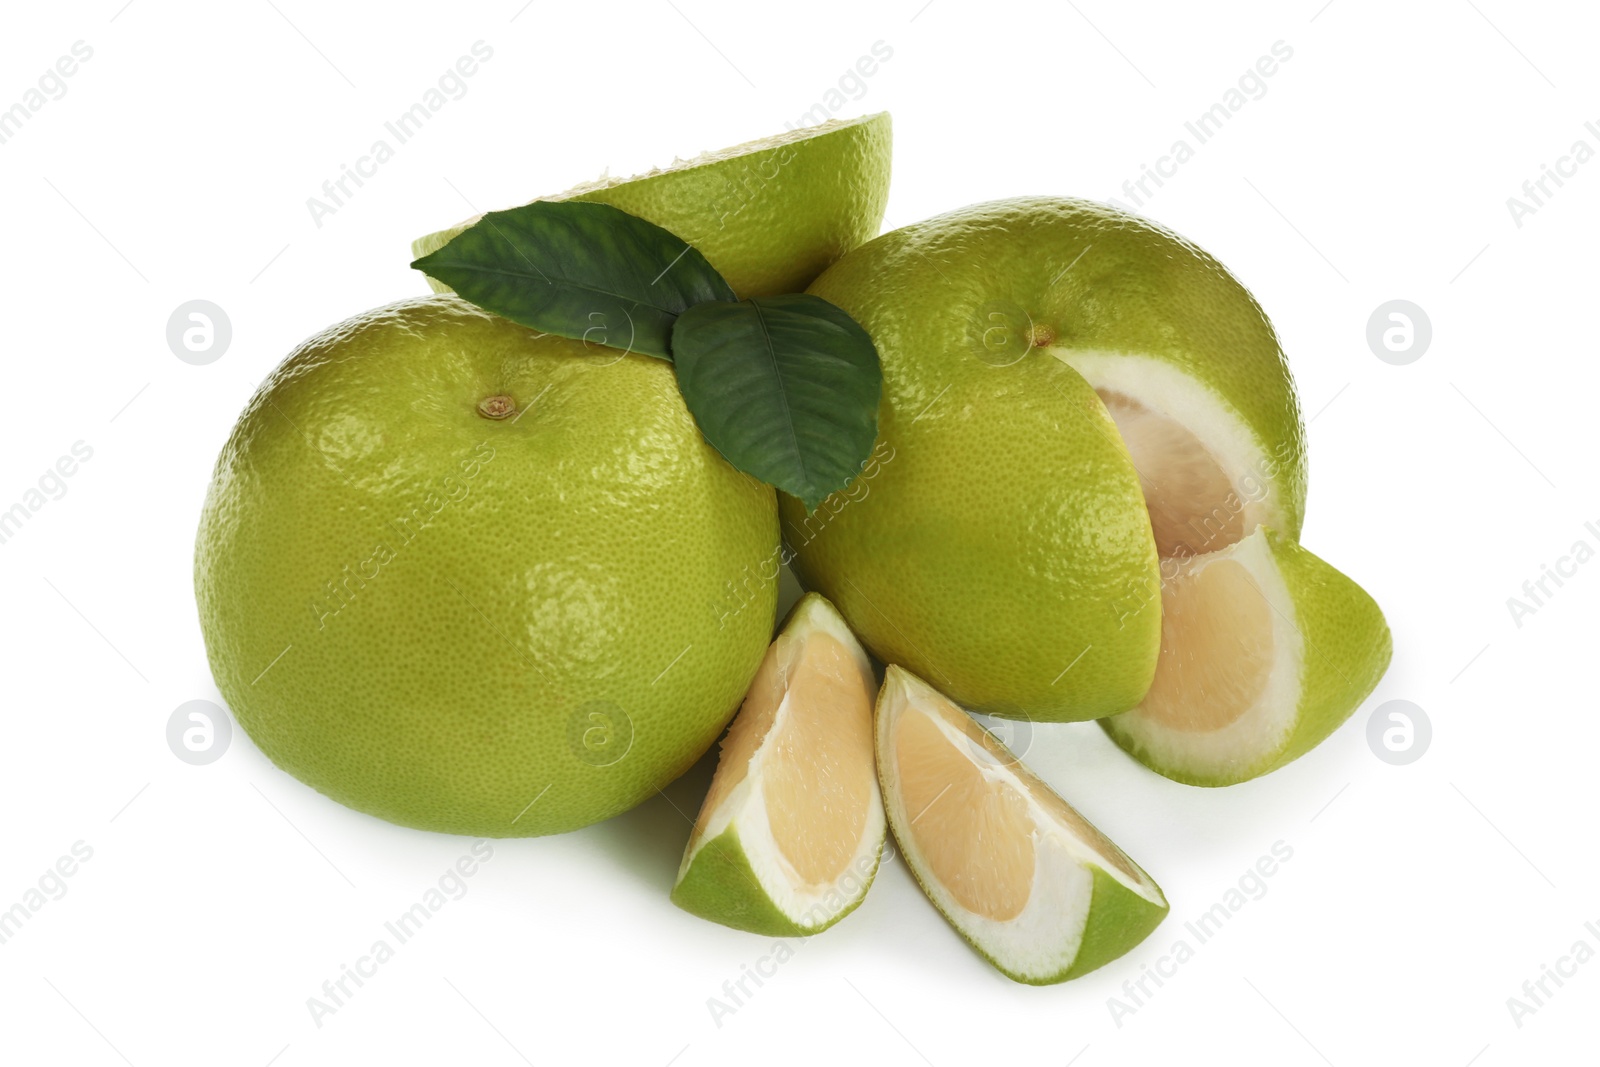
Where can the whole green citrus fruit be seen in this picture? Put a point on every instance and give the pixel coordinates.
(471, 578)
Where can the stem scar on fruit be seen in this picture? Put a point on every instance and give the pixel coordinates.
(497, 407)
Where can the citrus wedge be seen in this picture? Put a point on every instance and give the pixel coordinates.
(1265, 650)
(789, 836)
(1036, 889)
(770, 215)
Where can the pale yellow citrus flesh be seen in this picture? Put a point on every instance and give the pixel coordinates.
(1189, 495)
(976, 828)
(820, 781)
(954, 812)
(1216, 649)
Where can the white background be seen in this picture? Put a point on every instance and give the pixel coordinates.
(1376, 166)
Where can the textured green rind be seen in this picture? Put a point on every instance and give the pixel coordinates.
(721, 886)
(1347, 650)
(999, 532)
(1233, 777)
(1348, 645)
(1119, 919)
(769, 221)
(415, 609)
(1105, 281)
(1143, 289)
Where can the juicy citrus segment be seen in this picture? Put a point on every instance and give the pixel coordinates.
(1036, 889)
(1208, 477)
(819, 786)
(1265, 651)
(789, 835)
(953, 805)
(770, 215)
(1216, 648)
(1185, 488)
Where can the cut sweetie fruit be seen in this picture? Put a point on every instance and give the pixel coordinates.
(1265, 650)
(770, 215)
(1069, 393)
(789, 836)
(1029, 883)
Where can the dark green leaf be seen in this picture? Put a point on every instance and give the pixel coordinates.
(785, 387)
(586, 271)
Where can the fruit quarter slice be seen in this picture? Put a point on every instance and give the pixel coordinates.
(789, 836)
(1265, 651)
(1036, 889)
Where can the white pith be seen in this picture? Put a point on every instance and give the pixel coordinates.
(1265, 727)
(744, 809)
(1167, 391)
(1042, 940)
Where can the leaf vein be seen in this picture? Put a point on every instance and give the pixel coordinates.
(783, 394)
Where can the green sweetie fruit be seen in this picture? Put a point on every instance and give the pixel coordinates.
(474, 579)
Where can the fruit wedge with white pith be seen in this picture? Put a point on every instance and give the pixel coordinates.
(1265, 651)
(1036, 889)
(790, 833)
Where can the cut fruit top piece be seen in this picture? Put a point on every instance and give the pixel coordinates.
(770, 215)
(1036, 889)
(1265, 650)
(790, 833)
